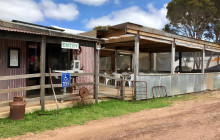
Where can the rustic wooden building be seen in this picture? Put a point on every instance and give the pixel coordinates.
(27, 51)
(142, 46)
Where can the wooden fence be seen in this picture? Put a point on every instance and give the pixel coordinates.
(38, 75)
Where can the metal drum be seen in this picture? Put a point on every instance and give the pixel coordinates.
(17, 108)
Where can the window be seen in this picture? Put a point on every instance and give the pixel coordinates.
(13, 58)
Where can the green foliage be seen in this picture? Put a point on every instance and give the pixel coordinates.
(191, 17)
(213, 29)
(79, 115)
(168, 28)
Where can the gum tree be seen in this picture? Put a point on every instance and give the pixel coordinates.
(191, 18)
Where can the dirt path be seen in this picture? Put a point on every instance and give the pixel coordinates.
(195, 119)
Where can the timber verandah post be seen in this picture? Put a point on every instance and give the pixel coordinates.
(136, 61)
(218, 62)
(173, 47)
(203, 60)
(96, 71)
(116, 53)
(42, 71)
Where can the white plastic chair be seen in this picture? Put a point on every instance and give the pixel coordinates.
(106, 79)
(116, 75)
(130, 80)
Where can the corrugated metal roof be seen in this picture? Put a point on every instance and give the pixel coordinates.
(18, 30)
(31, 29)
(92, 33)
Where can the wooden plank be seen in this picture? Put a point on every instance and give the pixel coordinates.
(20, 89)
(133, 28)
(72, 74)
(108, 95)
(55, 86)
(111, 77)
(42, 71)
(153, 61)
(5, 103)
(29, 100)
(134, 32)
(36, 99)
(104, 85)
(150, 60)
(19, 76)
(24, 76)
(155, 40)
(111, 32)
(173, 57)
(38, 87)
(189, 44)
(180, 61)
(136, 61)
(119, 39)
(218, 62)
(116, 68)
(81, 84)
(136, 55)
(73, 84)
(96, 71)
(203, 60)
(122, 92)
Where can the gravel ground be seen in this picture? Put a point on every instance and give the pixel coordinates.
(194, 119)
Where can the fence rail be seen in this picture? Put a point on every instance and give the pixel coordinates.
(36, 99)
(27, 88)
(25, 76)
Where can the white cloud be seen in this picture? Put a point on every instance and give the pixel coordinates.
(92, 2)
(117, 1)
(52, 10)
(151, 18)
(31, 11)
(26, 10)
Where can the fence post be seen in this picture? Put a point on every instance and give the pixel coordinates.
(96, 71)
(122, 89)
(42, 71)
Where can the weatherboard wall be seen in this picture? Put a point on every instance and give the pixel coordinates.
(5, 71)
(87, 60)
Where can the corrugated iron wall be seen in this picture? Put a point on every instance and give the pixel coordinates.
(180, 83)
(5, 71)
(87, 59)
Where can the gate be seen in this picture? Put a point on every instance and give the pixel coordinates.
(121, 89)
(137, 88)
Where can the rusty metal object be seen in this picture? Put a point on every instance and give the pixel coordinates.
(161, 90)
(17, 108)
(83, 92)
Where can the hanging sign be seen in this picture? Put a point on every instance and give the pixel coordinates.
(66, 79)
(69, 45)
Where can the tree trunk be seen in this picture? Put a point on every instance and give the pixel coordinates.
(210, 58)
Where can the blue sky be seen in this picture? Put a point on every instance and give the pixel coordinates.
(86, 14)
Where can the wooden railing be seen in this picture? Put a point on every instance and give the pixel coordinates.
(25, 76)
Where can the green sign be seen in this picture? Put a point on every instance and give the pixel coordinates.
(69, 45)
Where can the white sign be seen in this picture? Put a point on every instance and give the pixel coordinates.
(69, 45)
